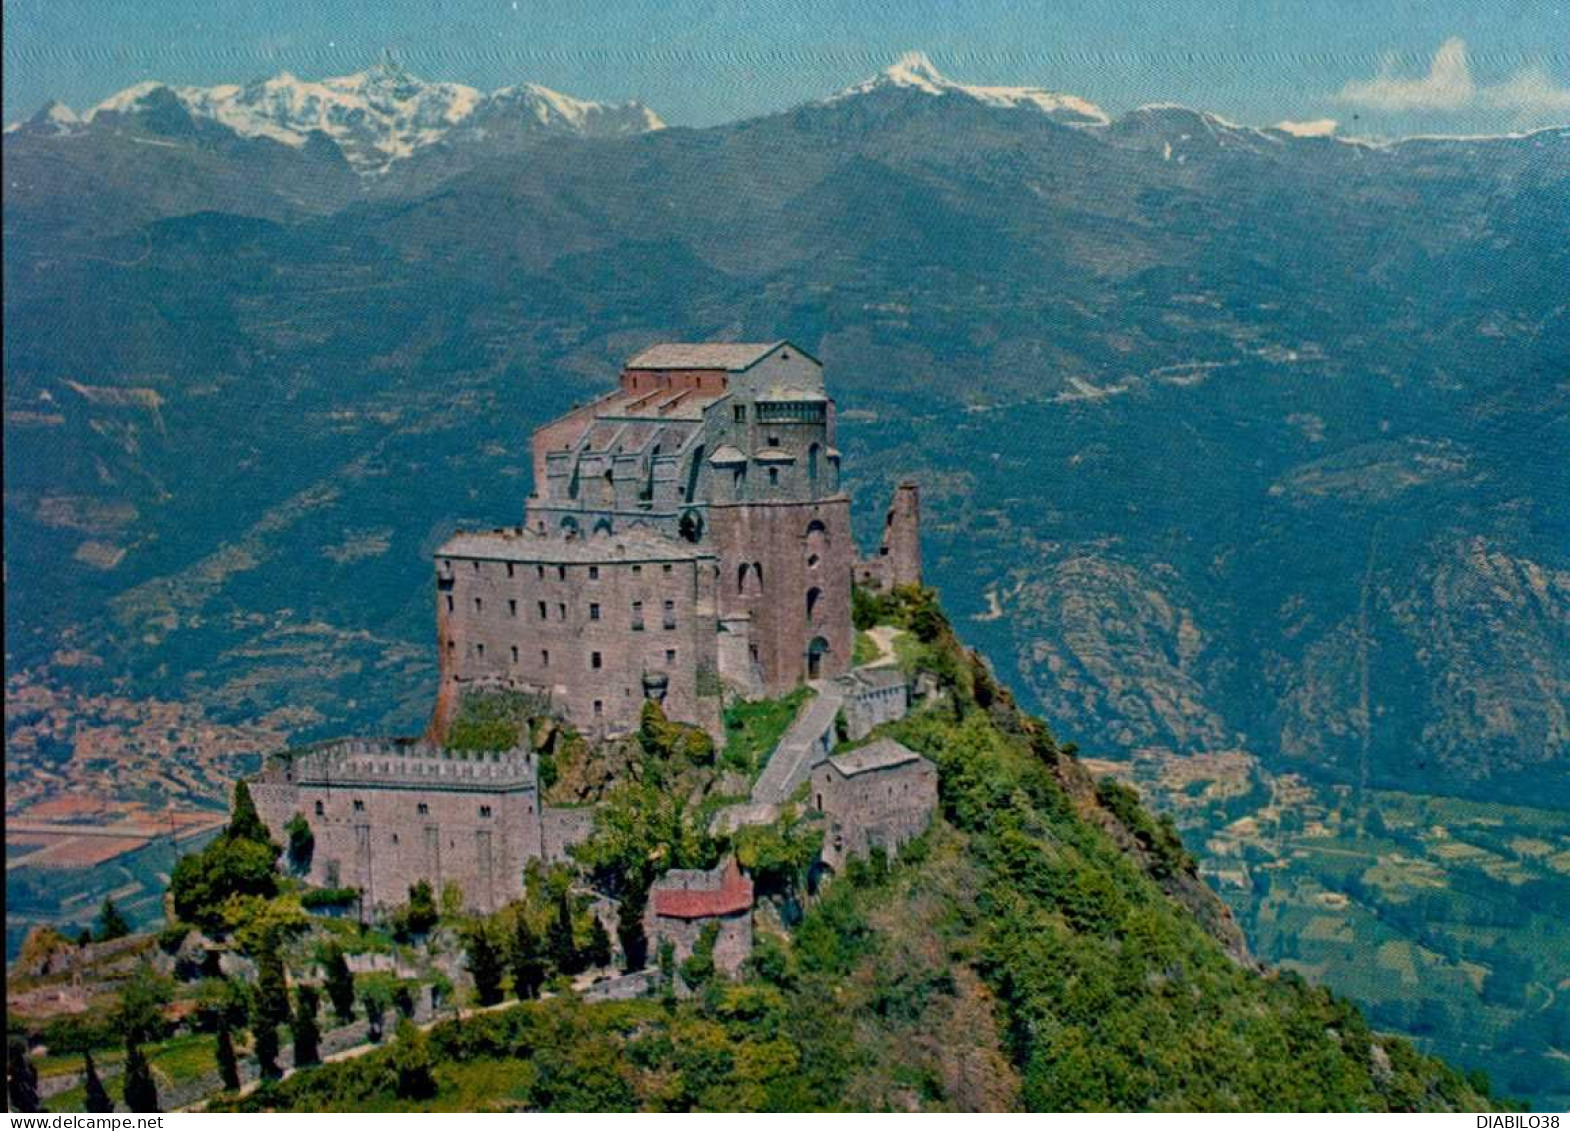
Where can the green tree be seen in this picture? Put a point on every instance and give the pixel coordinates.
(339, 982)
(203, 881)
(272, 985)
(485, 965)
(411, 1063)
(136, 1085)
(699, 968)
(111, 923)
(302, 843)
(307, 1033)
(419, 915)
(21, 1078)
(629, 927)
(245, 823)
(598, 951)
(559, 942)
(528, 961)
(139, 1015)
(95, 1095)
(376, 996)
(265, 1036)
(228, 1063)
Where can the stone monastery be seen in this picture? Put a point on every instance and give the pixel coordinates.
(688, 540)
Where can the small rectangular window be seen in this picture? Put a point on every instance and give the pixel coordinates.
(359, 806)
(479, 650)
(422, 808)
(594, 661)
(478, 604)
(542, 610)
(599, 708)
(741, 414)
(637, 616)
(561, 610)
(637, 569)
(594, 573)
(320, 809)
(545, 657)
(485, 810)
(515, 653)
(561, 573)
(666, 567)
(509, 569)
(539, 571)
(670, 614)
(594, 611)
(512, 606)
(774, 475)
(670, 655)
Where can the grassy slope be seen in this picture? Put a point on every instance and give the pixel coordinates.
(1034, 950)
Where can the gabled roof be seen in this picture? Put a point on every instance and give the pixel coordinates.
(732, 357)
(703, 895)
(879, 755)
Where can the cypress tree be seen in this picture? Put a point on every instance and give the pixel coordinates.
(339, 983)
(228, 1063)
(528, 964)
(141, 1094)
(266, 1035)
(245, 823)
(307, 1035)
(629, 927)
(98, 1100)
(485, 966)
(559, 944)
(21, 1078)
(272, 988)
(598, 952)
(111, 923)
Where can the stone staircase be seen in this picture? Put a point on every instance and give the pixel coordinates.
(804, 745)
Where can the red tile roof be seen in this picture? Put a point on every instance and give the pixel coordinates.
(733, 895)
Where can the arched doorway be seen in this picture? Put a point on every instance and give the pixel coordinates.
(815, 653)
(691, 526)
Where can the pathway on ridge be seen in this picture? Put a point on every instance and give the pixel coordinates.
(809, 738)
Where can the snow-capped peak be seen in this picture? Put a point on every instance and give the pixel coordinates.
(382, 114)
(914, 71)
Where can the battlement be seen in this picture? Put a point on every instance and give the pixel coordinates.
(412, 764)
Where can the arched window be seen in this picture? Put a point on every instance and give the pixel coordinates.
(814, 595)
(691, 526)
(569, 527)
(817, 540)
(812, 464)
(757, 575)
(741, 578)
(603, 526)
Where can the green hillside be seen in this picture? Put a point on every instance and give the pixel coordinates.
(1046, 946)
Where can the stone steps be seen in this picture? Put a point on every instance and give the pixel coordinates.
(804, 745)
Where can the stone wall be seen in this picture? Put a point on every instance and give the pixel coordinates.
(898, 560)
(563, 828)
(596, 625)
(878, 807)
(386, 815)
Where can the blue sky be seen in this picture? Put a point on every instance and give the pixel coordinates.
(1380, 67)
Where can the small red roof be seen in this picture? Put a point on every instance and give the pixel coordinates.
(733, 895)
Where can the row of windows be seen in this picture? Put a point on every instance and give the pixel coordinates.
(668, 620)
(423, 809)
(596, 659)
(561, 570)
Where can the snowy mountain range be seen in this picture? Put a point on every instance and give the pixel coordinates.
(376, 117)
(914, 71)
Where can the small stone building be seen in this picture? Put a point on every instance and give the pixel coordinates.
(881, 795)
(684, 901)
(873, 696)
